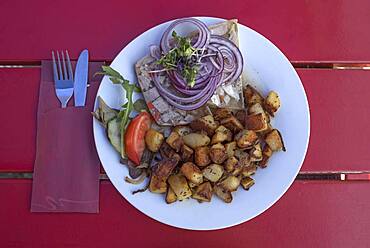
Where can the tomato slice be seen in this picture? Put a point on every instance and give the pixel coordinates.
(134, 137)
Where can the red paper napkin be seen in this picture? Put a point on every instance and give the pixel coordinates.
(66, 171)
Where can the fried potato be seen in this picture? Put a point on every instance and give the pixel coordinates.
(170, 196)
(256, 122)
(182, 130)
(249, 170)
(153, 140)
(179, 185)
(252, 96)
(165, 167)
(213, 172)
(256, 153)
(258, 109)
(166, 151)
(266, 154)
(230, 164)
(272, 103)
(222, 113)
(221, 134)
(230, 149)
(192, 173)
(217, 153)
(246, 138)
(157, 185)
(247, 182)
(274, 140)
(201, 156)
(231, 183)
(241, 115)
(232, 124)
(223, 194)
(203, 192)
(205, 123)
(175, 141)
(195, 140)
(187, 154)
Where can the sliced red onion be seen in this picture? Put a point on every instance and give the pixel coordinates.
(221, 62)
(155, 51)
(203, 34)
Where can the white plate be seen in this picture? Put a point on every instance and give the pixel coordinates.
(267, 68)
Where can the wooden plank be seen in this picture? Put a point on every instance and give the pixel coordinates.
(308, 215)
(339, 104)
(304, 30)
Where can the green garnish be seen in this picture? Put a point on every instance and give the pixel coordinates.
(183, 58)
(128, 106)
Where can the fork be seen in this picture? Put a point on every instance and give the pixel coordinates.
(63, 78)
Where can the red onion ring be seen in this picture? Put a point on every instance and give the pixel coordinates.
(222, 62)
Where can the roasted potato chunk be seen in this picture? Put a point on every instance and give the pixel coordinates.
(222, 113)
(258, 109)
(252, 96)
(266, 154)
(247, 182)
(272, 103)
(241, 115)
(221, 134)
(166, 151)
(246, 138)
(231, 183)
(201, 156)
(153, 140)
(256, 122)
(157, 185)
(170, 196)
(274, 140)
(244, 161)
(175, 141)
(203, 192)
(205, 123)
(230, 149)
(223, 194)
(165, 167)
(249, 170)
(182, 130)
(213, 172)
(192, 173)
(180, 186)
(195, 140)
(256, 153)
(187, 154)
(217, 153)
(232, 124)
(230, 164)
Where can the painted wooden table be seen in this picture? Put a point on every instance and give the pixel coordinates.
(328, 43)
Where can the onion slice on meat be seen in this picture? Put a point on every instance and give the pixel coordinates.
(220, 62)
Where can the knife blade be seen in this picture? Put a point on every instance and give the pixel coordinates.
(80, 83)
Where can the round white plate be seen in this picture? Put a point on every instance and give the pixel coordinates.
(267, 68)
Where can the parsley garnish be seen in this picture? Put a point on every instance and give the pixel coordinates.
(183, 58)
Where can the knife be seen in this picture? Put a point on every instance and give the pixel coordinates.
(80, 83)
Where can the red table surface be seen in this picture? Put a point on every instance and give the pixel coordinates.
(310, 214)
(304, 30)
(306, 216)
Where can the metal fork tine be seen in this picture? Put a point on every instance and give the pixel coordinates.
(69, 66)
(55, 70)
(64, 66)
(60, 67)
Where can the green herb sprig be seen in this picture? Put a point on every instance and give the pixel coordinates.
(183, 53)
(129, 105)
